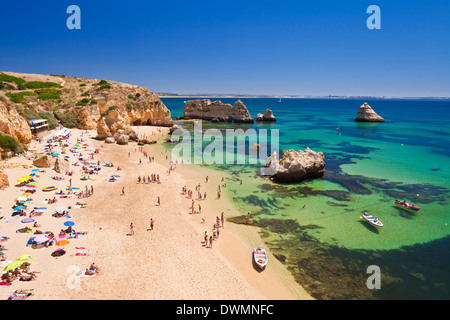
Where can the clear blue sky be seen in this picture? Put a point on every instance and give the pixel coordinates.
(243, 47)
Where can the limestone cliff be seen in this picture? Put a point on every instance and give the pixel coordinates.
(217, 111)
(81, 102)
(12, 123)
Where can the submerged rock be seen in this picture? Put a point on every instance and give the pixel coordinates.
(366, 114)
(296, 166)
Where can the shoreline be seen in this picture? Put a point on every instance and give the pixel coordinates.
(168, 262)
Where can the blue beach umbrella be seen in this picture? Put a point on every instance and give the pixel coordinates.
(69, 223)
(19, 207)
(35, 170)
(27, 220)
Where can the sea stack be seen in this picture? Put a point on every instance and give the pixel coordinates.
(216, 111)
(366, 114)
(296, 166)
(267, 116)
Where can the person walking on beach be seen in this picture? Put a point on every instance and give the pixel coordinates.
(221, 218)
(206, 239)
(210, 241)
(123, 191)
(159, 201)
(151, 223)
(131, 229)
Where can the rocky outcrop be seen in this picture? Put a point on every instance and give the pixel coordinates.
(61, 165)
(42, 161)
(4, 182)
(366, 114)
(267, 116)
(295, 166)
(87, 101)
(12, 123)
(217, 111)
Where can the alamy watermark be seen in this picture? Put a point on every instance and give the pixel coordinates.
(228, 146)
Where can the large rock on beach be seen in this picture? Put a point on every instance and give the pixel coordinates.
(4, 182)
(295, 166)
(42, 161)
(219, 112)
(367, 114)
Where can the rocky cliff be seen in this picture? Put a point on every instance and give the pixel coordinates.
(80, 102)
(217, 111)
(367, 114)
(12, 123)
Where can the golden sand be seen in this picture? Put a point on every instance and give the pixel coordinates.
(168, 262)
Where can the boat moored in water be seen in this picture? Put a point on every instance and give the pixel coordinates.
(407, 206)
(372, 220)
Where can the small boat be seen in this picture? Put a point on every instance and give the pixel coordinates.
(372, 220)
(260, 256)
(406, 205)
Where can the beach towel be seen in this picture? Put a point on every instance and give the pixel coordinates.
(83, 275)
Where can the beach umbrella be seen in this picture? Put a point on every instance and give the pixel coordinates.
(32, 175)
(35, 170)
(62, 243)
(19, 208)
(26, 194)
(27, 220)
(60, 209)
(13, 265)
(69, 223)
(30, 186)
(21, 198)
(24, 178)
(34, 183)
(24, 257)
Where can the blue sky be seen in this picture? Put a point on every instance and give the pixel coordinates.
(242, 47)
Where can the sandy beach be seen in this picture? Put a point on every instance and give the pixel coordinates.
(169, 262)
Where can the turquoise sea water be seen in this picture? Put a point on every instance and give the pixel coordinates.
(326, 245)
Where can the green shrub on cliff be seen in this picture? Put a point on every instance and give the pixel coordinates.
(41, 84)
(7, 78)
(83, 102)
(68, 120)
(18, 97)
(48, 94)
(51, 120)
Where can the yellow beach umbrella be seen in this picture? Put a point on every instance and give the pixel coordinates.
(13, 265)
(24, 178)
(24, 257)
(26, 194)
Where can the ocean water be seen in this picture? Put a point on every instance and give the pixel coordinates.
(326, 245)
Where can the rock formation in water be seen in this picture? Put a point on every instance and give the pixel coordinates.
(295, 166)
(366, 114)
(267, 116)
(217, 111)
